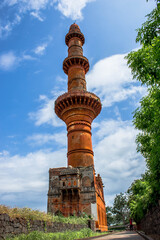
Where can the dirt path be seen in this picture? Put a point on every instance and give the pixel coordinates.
(126, 235)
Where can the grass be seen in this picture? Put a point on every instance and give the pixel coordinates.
(29, 214)
(69, 235)
(71, 219)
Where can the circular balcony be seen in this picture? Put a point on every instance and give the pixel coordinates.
(72, 34)
(75, 60)
(77, 99)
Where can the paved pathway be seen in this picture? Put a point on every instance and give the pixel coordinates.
(127, 235)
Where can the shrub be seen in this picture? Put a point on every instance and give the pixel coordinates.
(29, 214)
(69, 235)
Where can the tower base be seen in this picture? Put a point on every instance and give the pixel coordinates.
(77, 191)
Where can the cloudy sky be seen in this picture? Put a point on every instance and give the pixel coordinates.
(32, 49)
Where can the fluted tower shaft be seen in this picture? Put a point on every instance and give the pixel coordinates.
(77, 108)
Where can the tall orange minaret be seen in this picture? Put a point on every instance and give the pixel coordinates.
(77, 108)
(76, 189)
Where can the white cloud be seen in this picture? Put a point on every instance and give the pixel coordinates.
(37, 15)
(72, 8)
(116, 158)
(117, 113)
(27, 57)
(6, 28)
(62, 79)
(111, 79)
(69, 8)
(24, 179)
(10, 2)
(35, 4)
(40, 49)
(45, 114)
(41, 139)
(29, 172)
(9, 60)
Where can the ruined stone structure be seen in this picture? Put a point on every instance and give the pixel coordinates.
(76, 189)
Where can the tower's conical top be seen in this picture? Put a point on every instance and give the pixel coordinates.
(74, 31)
(74, 28)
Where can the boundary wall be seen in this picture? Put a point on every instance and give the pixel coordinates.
(13, 227)
(150, 224)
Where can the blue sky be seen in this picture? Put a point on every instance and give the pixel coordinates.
(32, 50)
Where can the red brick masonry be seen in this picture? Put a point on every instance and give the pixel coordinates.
(76, 189)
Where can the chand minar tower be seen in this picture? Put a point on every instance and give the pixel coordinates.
(76, 189)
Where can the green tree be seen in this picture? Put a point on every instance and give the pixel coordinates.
(145, 63)
(110, 216)
(147, 119)
(145, 67)
(139, 198)
(121, 209)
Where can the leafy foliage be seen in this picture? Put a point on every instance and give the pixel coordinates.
(71, 219)
(69, 235)
(119, 213)
(30, 214)
(147, 118)
(25, 213)
(145, 66)
(140, 198)
(110, 216)
(145, 63)
(121, 209)
(150, 29)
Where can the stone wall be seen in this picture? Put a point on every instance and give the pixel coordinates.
(12, 227)
(150, 224)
